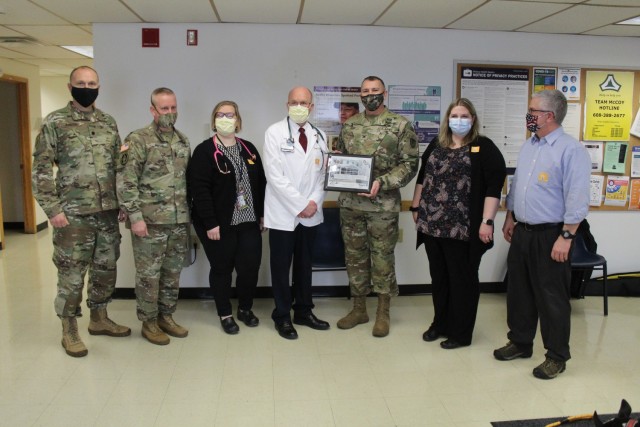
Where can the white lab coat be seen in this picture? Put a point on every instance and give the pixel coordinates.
(293, 177)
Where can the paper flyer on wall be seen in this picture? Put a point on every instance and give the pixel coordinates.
(616, 190)
(635, 162)
(333, 105)
(609, 105)
(595, 152)
(544, 78)
(634, 195)
(615, 155)
(569, 83)
(595, 191)
(571, 122)
(501, 97)
(421, 106)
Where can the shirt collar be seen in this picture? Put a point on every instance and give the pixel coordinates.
(550, 138)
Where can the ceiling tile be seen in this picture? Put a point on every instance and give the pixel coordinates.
(46, 52)
(550, 1)
(266, 12)
(617, 30)
(21, 12)
(579, 19)
(173, 11)
(12, 54)
(56, 34)
(614, 2)
(506, 15)
(352, 12)
(86, 12)
(426, 14)
(8, 32)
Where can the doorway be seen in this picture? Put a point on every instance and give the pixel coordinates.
(17, 206)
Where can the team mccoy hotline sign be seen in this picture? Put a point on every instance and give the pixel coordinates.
(609, 97)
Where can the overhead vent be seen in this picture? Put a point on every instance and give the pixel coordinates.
(24, 40)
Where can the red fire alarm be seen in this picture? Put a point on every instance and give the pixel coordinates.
(192, 37)
(151, 37)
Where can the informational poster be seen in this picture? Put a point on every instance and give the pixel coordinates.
(616, 191)
(421, 106)
(544, 78)
(595, 191)
(571, 122)
(333, 105)
(634, 195)
(609, 105)
(615, 155)
(635, 162)
(595, 152)
(569, 83)
(500, 96)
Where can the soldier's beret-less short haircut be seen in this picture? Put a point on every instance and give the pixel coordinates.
(159, 91)
(82, 67)
(373, 79)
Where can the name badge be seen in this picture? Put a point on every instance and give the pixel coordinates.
(286, 148)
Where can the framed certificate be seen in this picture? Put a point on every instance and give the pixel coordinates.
(349, 172)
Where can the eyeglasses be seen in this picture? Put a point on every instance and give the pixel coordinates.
(295, 104)
(533, 110)
(220, 115)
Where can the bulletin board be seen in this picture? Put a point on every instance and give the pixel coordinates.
(602, 114)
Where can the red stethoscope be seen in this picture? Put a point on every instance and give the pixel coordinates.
(218, 152)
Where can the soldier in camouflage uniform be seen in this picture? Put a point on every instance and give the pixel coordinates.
(370, 221)
(80, 201)
(152, 190)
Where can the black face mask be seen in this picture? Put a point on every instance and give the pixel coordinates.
(84, 96)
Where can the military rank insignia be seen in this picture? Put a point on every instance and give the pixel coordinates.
(124, 158)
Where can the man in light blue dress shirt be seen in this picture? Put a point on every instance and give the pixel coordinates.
(549, 197)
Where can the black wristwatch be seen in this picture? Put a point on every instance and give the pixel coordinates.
(487, 221)
(566, 234)
(412, 209)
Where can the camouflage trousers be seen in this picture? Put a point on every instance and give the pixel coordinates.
(159, 258)
(369, 243)
(89, 243)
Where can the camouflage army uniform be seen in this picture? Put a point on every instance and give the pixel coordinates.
(152, 186)
(370, 226)
(84, 147)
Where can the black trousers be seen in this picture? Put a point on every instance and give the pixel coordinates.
(538, 287)
(239, 248)
(456, 291)
(287, 247)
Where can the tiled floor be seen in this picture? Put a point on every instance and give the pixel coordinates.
(256, 378)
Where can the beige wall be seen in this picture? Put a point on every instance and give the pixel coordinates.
(32, 74)
(54, 94)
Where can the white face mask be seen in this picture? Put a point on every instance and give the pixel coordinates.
(299, 114)
(460, 126)
(225, 126)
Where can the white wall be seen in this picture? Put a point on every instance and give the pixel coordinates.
(256, 65)
(54, 94)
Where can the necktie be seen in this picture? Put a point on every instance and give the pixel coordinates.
(303, 139)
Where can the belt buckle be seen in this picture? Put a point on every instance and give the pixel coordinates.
(528, 227)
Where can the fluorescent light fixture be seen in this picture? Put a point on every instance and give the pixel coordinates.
(82, 50)
(632, 21)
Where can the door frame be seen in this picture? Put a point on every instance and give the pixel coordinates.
(28, 202)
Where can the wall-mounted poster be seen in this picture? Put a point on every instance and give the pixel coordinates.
(615, 155)
(544, 79)
(569, 83)
(333, 105)
(501, 98)
(616, 190)
(609, 105)
(421, 106)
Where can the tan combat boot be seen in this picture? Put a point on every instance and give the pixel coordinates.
(71, 341)
(356, 316)
(381, 327)
(167, 324)
(100, 324)
(153, 334)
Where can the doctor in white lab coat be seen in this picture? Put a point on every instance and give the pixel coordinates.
(295, 154)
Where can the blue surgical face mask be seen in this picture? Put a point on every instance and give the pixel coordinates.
(460, 126)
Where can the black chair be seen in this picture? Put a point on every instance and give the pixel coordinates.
(583, 259)
(328, 251)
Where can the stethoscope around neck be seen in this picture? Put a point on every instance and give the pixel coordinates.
(291, 141)
(219, 152)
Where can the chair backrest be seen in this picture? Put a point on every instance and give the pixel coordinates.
(328, 250)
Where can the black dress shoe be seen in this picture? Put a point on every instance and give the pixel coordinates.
(230, 326)
(311, 321)
(451, 344)
(431, 334)
(286, 330)
(248, 318)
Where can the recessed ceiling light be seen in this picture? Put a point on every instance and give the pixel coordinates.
(82, 50)
(632, 21)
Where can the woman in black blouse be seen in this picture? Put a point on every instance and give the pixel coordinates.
(454, 205)
(227, 182)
